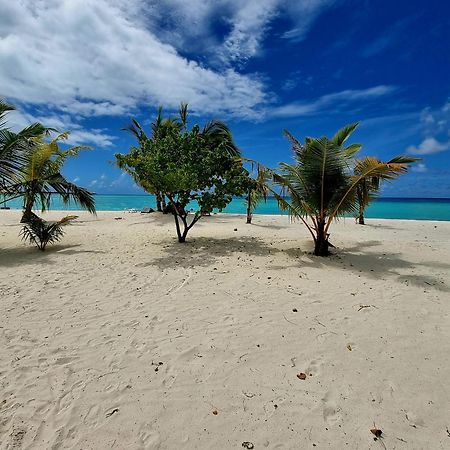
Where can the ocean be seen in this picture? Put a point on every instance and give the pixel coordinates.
(382, 208)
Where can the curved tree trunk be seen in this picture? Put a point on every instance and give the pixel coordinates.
(27, 212)
(361, 218)
(163, 203)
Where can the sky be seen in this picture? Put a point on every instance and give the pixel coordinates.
(309, 66)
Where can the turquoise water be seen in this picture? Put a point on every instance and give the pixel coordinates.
(386, 208)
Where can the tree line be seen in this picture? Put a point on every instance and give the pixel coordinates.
(195, 170)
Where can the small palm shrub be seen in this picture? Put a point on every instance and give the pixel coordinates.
(40, 232)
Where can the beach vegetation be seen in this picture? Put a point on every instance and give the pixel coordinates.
(40, 178)
(41, 233)
(159, 129)
(259, 189)
(369, 187)
(14, 148)
(321, 184)
(31, 167)
(197, 169)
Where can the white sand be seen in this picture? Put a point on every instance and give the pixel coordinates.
(119, 337)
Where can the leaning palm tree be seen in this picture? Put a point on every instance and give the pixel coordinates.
(368, 189)
(259, 191)
(14, 148)
(320, 185)
(40, 178)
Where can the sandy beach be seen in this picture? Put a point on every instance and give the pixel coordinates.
(118, 337)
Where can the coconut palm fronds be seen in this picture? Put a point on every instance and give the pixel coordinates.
(41, 233)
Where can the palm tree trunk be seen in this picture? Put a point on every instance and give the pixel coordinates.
(249, 210)
(360, 194)
(27, 212)
(321, 244)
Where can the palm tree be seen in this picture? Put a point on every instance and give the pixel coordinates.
(40, 178)
(14, 148)
(39, 232)
(368, 189)
(259, 191)
(320, 184)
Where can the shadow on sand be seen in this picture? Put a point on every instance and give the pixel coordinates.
(29, 255)
(206, 251)
(361, 258)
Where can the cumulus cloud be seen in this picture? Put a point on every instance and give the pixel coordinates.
(429, 146)
(107, 57)
(326, 101)
(95, 57)
(435, 126)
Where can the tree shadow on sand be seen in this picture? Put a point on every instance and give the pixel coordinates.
(17, 256)
(204, 251)
(377, 264)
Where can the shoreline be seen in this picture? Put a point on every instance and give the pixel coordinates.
(76, 211)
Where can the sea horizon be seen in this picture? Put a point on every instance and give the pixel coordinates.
(405, 208)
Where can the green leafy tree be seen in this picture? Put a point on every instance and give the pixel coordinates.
(197, 170)
(369, 188)
(162, 128)
(321, 184)
(159, 128)
(40, 178)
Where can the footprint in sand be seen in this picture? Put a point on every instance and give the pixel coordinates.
(331, 409)
(414, 420)
(169, 377)
(315, 367)
(92, 416)
(149, 438)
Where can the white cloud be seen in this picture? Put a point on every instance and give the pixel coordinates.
(435, 126)
(326, 101)
(303, 14)
(121, 181)
(429, 146)
(95, 57)
(419, 168)
(247, 23)
(107, 57)
(63, 122)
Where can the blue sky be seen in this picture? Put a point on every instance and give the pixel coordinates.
(310, 66)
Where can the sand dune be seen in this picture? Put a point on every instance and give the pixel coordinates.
(119, 337)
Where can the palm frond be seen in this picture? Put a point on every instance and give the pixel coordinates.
(42, 233)
(344, 133)
(218, 132)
